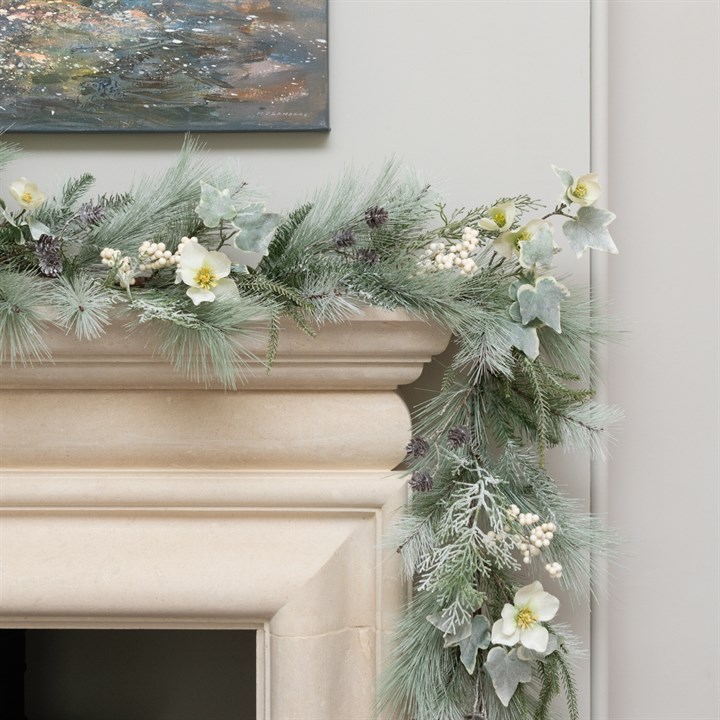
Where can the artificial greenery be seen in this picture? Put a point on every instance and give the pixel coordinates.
(484, 516)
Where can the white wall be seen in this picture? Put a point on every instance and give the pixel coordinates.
(664, 476)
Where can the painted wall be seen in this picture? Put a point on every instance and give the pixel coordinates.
(664, 187)
(481, 95)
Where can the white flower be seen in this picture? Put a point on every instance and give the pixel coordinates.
(508, 243)
(498, 218)
(585, 190)
(521, 622)
(27, 194)
(206, 272)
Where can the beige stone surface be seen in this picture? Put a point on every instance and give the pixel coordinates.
(125, 502)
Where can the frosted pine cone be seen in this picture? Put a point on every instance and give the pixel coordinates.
(421, 481)
(376, 216)
(458, 436)
(367, 256)
(47, 248)
(91, 214)
(418, 447)
(344, 239)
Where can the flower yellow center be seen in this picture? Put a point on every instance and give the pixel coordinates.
(499, 218)
(26, 198)
(205, 279)
(525, 618)
(523, 236)
(580, 190)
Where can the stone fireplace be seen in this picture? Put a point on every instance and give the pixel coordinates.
(132, 498)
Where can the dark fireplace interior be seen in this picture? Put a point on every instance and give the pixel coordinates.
(127, 674)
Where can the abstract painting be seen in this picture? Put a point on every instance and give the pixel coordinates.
(163, 65)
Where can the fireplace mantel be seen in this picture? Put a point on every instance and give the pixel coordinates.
(133, 498)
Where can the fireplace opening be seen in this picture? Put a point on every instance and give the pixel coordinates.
(127, 674)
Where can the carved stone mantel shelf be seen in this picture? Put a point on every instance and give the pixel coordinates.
(131, 497)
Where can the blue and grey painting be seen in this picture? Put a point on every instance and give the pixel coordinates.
(163, 65)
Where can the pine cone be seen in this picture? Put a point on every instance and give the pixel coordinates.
(367, 256)
(344, 239)
(421, 481)
(91, 214)
(47, 248)
(458, 436)
(418, 447)
(376, 216)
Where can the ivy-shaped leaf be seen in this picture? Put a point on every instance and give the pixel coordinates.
(525, 339)
(538, 251)
(452, 635)
(215, 205)
(506, 671)
(255, 228)
(542, 302)
(589, 230)
(479, 639)
(524, 653)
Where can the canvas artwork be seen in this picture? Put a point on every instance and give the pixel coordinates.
(163, 65)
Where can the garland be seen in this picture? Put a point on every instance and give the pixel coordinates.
(477, 641)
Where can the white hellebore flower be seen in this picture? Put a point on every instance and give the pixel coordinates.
(521, 622)
(585, 190)
(508, 243)
(27, 194)
(498, 218)
(205, 271)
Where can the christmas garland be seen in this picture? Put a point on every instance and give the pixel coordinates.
(485, 520)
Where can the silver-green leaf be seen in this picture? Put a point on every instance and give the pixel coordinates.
(538, 251)
(255, 228)
(525, 339)
(526, 654)
(215, 205)
(589, 230)
(37, 228)
(566, 177)
(507, 671)
(542, 302)
(479, 640)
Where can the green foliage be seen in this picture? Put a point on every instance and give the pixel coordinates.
(515, 387)
(8, 153)
(23, 318)
(82, 305)
(58, 211)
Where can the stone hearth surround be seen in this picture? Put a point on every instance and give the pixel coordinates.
(130, 497)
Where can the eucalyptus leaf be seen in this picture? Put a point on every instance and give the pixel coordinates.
(37, 228)
(589, 230)
(215, 205)
(542, 302)
(538, 251)
(506, 671)
(479, 639)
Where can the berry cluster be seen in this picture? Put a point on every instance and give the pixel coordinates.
(155, 256)
(534, 537)
(440, 256)
(123, 266)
